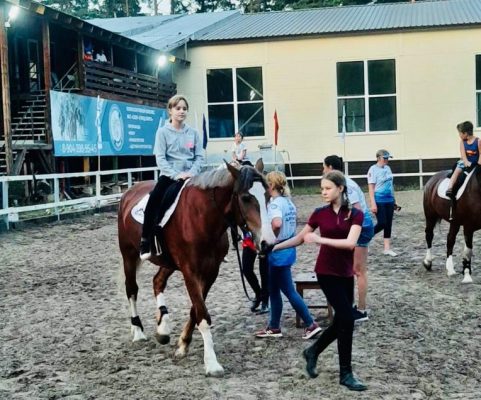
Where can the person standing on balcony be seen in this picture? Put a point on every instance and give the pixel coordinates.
(179, 155)
(101, 57)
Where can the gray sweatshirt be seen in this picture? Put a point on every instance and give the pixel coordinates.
(178, 151)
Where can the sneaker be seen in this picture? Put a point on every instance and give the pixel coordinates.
(359, 316)
(311, 331)
(263, 310)
(145, 253)
(255, 304)
(269, 332)
(389, 253)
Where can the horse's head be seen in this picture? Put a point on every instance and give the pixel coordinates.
(250, 198)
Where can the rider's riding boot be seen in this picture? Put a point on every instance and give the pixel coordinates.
(145, 252)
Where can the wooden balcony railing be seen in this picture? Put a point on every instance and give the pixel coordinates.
(122, 82)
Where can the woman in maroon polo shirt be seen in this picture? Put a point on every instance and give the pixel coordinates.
(339, 227)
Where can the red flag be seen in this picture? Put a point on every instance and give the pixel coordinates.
(276, 128)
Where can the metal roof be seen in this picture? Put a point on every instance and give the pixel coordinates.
(167, 32)
(164, 32)
(349, 19)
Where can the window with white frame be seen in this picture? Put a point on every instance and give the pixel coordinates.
(235, 101)
(366, 96)
(478, 90)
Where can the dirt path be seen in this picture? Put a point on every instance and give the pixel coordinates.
(65, 324)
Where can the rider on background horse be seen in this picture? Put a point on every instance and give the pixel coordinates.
(469, 147)
(179, 156)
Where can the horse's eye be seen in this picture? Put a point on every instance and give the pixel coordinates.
(246, 198)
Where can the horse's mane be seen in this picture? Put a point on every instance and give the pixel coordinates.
(211, 179)
(248, 175)
(223, 178)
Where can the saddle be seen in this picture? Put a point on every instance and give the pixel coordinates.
(458, 187)
(169, 203)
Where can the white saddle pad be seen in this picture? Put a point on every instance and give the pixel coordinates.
(443, 186)
(138, 210)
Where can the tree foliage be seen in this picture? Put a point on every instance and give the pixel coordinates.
(122, 8)
(96, 8)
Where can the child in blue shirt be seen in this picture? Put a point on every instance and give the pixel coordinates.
(469, 148)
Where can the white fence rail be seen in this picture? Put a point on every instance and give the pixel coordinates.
(60, 204)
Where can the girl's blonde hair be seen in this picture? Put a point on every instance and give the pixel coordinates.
(174, 100)
(279, 182)
(338, 178)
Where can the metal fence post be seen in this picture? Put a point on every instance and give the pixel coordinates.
(420, 162)
(5, 202)
(56, 196)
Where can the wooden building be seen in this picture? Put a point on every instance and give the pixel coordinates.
(44, 51)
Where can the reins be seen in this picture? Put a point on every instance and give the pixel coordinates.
(235, 243)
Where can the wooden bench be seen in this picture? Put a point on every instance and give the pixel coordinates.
(308, 281)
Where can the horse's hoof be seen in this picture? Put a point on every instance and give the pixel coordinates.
(137, 334)
(162, 339)
(427, 264)
(215, 373)
(467, 279)
(451, 272)
(180, 353)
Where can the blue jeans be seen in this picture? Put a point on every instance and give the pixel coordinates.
(280, 280)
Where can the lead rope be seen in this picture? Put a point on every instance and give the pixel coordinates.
(235, 243)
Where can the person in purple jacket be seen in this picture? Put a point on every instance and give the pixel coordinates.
(339, 227)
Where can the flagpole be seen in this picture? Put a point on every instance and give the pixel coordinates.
(344, 129)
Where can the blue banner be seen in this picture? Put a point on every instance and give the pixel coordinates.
(92, 126)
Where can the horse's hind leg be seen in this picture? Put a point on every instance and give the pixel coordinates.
(467, 254)
(429, 234)
(453, 231)
(163, 324)
(198, 290)
(130, 271)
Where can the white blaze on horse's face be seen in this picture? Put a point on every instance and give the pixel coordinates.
(266, 234)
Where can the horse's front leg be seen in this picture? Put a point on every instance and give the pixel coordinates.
(467, 255)
(453, 231)
(164, 327)
(185, 337)
(429, 235)
(198, 289)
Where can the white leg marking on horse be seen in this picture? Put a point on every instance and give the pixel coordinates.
(212, 367)
(160, 300)
(449, 266)
(135, 331)
(428, 260)
(467, 277)
(467, 253)
(165, 326)
(267, 234)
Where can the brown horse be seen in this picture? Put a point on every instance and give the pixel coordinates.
(197, 242)
(466, 212)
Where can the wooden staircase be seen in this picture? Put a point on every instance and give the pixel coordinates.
(28, 127)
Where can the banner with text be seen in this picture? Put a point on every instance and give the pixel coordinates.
(91, 126)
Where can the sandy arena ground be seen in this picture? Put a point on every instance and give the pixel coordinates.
(65, 326)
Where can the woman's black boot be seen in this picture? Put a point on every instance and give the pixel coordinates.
(347, 379)
(311, 361)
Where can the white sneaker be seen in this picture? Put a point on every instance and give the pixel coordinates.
(389, 253)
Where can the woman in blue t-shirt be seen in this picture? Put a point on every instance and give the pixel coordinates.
(283, 216)
(381, 197)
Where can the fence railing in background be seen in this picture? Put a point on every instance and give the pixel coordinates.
(59, 205)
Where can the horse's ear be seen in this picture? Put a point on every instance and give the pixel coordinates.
(260, 165)
(233, 170)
